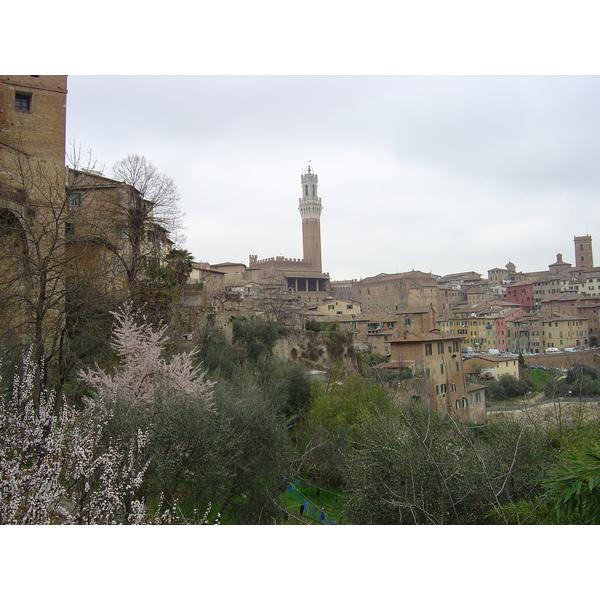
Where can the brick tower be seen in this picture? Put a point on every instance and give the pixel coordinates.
(583, 251)
(310, 210)
(33, 116)
(33, 215)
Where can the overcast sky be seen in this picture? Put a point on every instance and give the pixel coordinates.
(436, 173)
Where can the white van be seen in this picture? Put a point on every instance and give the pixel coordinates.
(552, 350)
(570, 350)
(494, 351)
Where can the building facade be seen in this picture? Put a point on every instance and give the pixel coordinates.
(435, 358)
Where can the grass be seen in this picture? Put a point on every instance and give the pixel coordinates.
(320, 499)
(538, 378)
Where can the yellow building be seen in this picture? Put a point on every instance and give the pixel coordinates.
(564, 332)
(466, 328)
(338, 308)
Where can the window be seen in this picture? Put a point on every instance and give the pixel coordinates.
(440, 347)
(428, 349)
(69, 228)
(74, 199)
(349, 306)
(23, 101)
(442, 369)
(453, 387)
(457, 366)
(330, 307)
(406, 321)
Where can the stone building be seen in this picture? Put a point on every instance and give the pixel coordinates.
(302, 278)
(385, 293)
(100, 235)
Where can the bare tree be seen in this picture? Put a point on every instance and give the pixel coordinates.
(224, 297)
(280, 307)
(33, 255)
(151, 210)
(132, 220)
(46, 284)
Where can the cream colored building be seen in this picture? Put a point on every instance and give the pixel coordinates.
(495, 366)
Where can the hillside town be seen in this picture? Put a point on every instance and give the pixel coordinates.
(76, 243)
(505, 311)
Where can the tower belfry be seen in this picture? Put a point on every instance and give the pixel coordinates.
(310, 208)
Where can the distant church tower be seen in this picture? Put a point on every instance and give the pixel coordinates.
(583, 251)
(310, 209)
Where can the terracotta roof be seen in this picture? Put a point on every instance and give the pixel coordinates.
(391, 277)
(395, 364)
(490, 358)
(473, 387)
(562, 297)
(429, 336)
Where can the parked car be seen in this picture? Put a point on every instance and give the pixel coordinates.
(552, 350)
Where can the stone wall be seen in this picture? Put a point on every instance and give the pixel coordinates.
(565, 360)
(319, 350)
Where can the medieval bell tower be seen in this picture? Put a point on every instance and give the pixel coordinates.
(584, 256)
(310, 210)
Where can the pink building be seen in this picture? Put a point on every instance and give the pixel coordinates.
(504, 333)
(520, 293)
